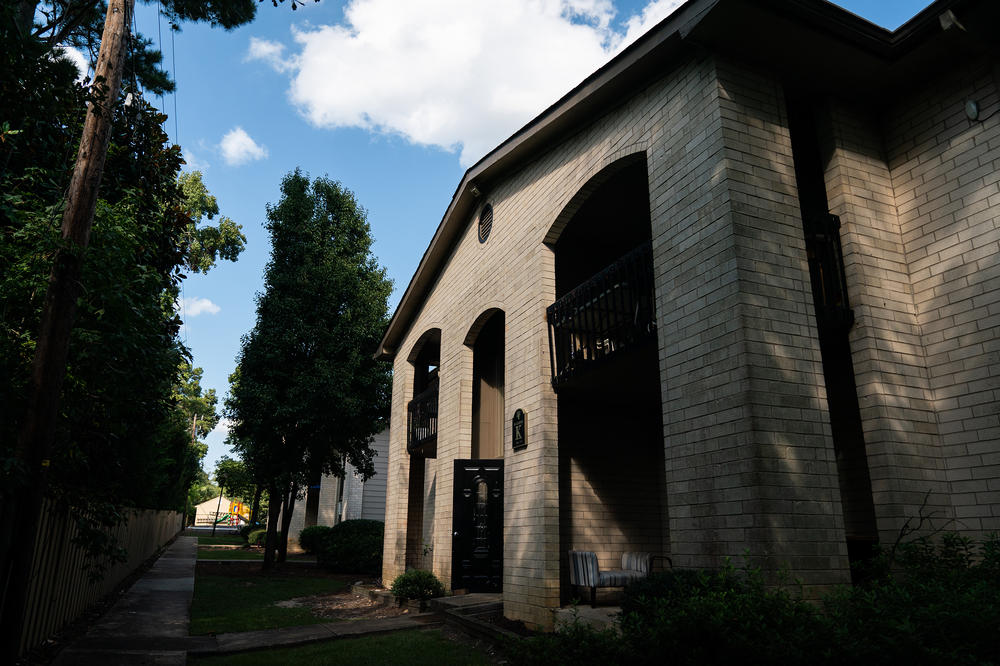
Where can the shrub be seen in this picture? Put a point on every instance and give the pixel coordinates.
(353, 546)
(935, 602)
(928, 602)
(245, 530)
(718, 617)
(310, 537)
(257, 537)
(576, 643)
(416, 584)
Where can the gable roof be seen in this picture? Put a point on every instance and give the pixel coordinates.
(833, 48)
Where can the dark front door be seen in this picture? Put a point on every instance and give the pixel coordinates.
(477, 526)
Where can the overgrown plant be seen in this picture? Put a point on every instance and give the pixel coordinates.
(353, 546)
(417, 584)
(310, 537)
(939, 604)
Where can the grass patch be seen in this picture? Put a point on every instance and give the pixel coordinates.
(224, 603)
(402, 647)
(227, 540)
(225, 554)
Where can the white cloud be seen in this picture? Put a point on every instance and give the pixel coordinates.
(238, 148)
(457, 74)
(222, 427)
(76, 56)
(194, 306)
(270, 52)
(193, 162)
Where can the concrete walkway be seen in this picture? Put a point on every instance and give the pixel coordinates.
(149, 624)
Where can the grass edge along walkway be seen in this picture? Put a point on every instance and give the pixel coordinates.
(398, 646)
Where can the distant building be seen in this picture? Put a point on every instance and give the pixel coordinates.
(336, 499)
(737, 291)
(225, 513)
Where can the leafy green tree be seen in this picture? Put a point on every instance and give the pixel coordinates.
(122, 439)
(197, 405)
(207, 243)
(309, 395)
(234, 478)
(200, 489)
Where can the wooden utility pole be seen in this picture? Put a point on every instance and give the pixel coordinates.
(37, 433)
(218, 507)
(187, 496)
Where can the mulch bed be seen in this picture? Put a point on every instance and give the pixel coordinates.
(346, 606)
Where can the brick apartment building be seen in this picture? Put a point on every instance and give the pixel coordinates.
(737, 291)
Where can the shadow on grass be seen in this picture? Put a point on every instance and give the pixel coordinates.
(243, 598)
(227, 540)
(402, 647)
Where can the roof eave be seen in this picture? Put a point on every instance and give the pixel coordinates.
(598, 92)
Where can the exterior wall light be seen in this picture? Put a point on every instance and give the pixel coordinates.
(972, 109)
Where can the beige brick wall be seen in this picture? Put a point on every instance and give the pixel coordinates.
(749, 459)
(613, 497)
(749, 454)
(897, 407)
(945, 173)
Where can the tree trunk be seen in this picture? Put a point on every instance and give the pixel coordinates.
(286, 521)
(270, 539)
(26, 16)
(37, 433)
(255, 506)
(218, 506)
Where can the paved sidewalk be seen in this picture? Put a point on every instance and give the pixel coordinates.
(149, 625)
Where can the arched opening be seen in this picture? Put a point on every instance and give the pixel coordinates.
(477, 506)
(488, 387)
(421, 443)
(605, 370)
(422, 410)
(607, 219)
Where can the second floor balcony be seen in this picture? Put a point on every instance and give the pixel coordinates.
(422, 423)
(610, 312)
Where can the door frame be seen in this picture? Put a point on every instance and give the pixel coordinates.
(461, 466)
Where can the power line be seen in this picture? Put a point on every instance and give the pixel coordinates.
(159, 45)
(173, 57)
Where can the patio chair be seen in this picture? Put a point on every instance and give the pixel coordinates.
(585, 572)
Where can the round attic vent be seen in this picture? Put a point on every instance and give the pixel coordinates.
(485, 222)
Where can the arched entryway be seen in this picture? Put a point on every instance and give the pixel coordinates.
(488, 386)
(421, 444)
(477, 518)
(602, 332)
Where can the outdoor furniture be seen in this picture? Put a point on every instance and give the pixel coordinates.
(585, 572)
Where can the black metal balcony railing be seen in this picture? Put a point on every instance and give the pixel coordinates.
(422, 423)
(826, 270)
(610, 312)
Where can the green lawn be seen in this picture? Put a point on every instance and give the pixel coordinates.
(401, 647)
(227, 540)
(224, 603)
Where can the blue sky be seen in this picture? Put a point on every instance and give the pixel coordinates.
(392, 98)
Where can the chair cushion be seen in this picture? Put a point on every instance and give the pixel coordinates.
(641, 562)
(618, 578)
(583, 568)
